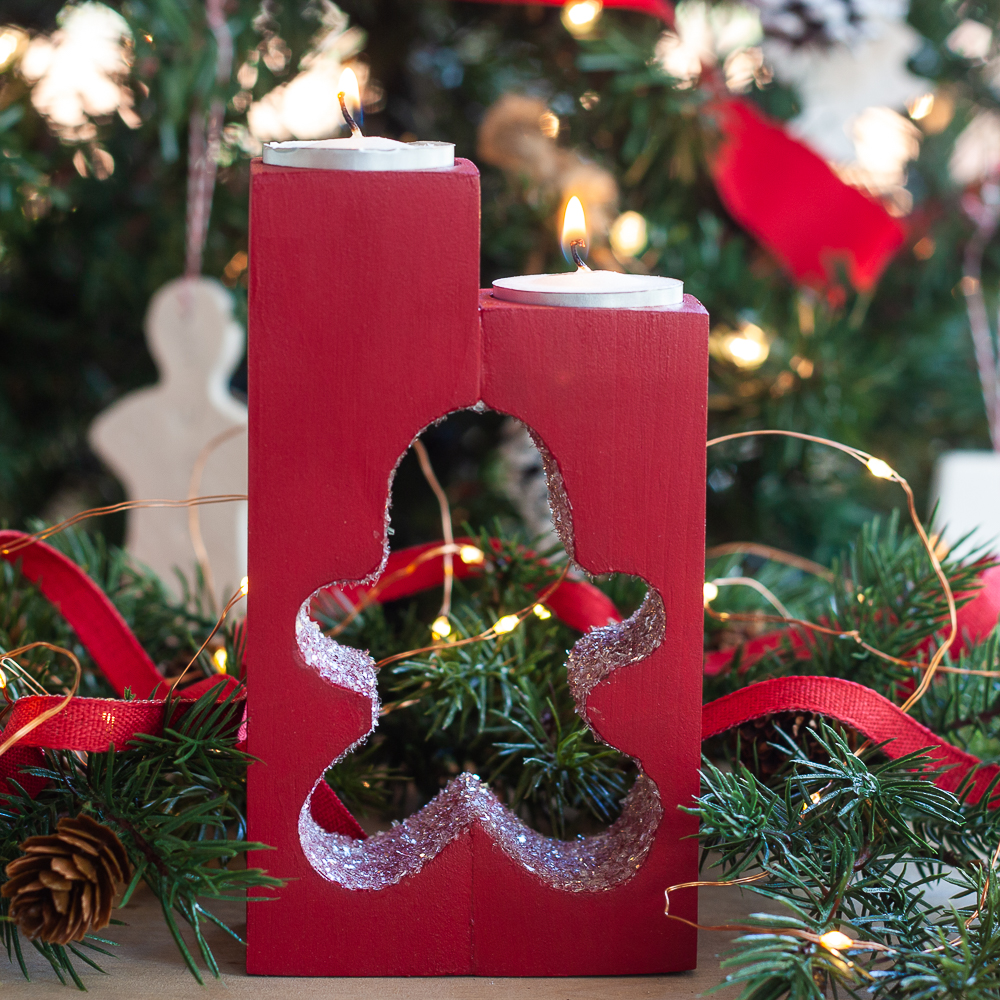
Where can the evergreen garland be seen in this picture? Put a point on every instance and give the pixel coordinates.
(825, 822)
(501, 707)
(843, 839)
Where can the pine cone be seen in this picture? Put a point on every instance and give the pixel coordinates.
(63, 886)
(762, 750)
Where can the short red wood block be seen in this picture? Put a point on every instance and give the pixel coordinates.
(366, 325)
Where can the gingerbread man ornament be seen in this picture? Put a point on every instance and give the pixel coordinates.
(156, 439)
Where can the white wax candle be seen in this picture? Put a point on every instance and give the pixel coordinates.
(360, 153)
(586, 289)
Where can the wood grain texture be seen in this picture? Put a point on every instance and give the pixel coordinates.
(148, 966)
(366, 326)
(363, 329)
(619, 398)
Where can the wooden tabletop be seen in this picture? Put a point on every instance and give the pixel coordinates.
(147, 967)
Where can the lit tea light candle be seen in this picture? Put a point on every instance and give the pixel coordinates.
(585, 288)
(358, 152)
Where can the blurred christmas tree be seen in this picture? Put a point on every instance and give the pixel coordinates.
(95, 105)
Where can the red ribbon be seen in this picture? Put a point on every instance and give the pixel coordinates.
(779, 190)
(856, 706)
(94, 724)
(579, 604)
(101, 629)
(976, 620)
(86, 724)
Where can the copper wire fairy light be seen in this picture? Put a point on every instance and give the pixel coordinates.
(881, 470)
(441, 627)
(43, 717)
(769, 552)
(54, 529)
(833, 941)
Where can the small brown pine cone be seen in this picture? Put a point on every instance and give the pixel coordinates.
(64, 885)
(764, 752)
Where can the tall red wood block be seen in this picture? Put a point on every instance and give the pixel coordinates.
(364, 328)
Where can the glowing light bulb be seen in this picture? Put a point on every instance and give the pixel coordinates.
(835, 941)
(470, 555)
(219, 658)
(880, 469)
(3, 681)
(441, 627)
(506, 624)
(244, 585)
(921, 107)
(348, 86)
(580, 16)
(574, 229)
(748, 348)
(9, 41)
(747, 352)
(549, 124)
(541, 611)
(711, 592)
(628, 235)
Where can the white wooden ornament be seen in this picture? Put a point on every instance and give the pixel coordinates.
(152, 438)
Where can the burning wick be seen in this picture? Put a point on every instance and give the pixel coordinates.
(575, 232)
(349, 88)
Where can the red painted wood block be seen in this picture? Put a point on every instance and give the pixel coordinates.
(366, 325)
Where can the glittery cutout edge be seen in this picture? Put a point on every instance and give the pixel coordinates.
(587, 864)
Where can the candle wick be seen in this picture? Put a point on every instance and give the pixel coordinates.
(355, 131)
(574, 249)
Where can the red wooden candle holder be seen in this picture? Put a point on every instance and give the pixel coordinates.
(366, 325)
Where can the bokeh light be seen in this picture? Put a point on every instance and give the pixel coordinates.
(629, 235)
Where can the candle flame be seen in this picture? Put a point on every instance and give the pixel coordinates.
(574, 231)
(348, 86)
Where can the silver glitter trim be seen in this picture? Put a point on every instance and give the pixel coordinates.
(587, 864)
(342, 666)
(606, 649)
(562, 509)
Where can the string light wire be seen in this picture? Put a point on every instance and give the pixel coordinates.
(770, 553)
(54, 529)
(43, 717)
(447, 532)
(881, 470)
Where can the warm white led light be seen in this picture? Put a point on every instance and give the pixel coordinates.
(880, 469)
(628, 235)
(835, 941)
(219, 658)
(506, 624)
(580, 16)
